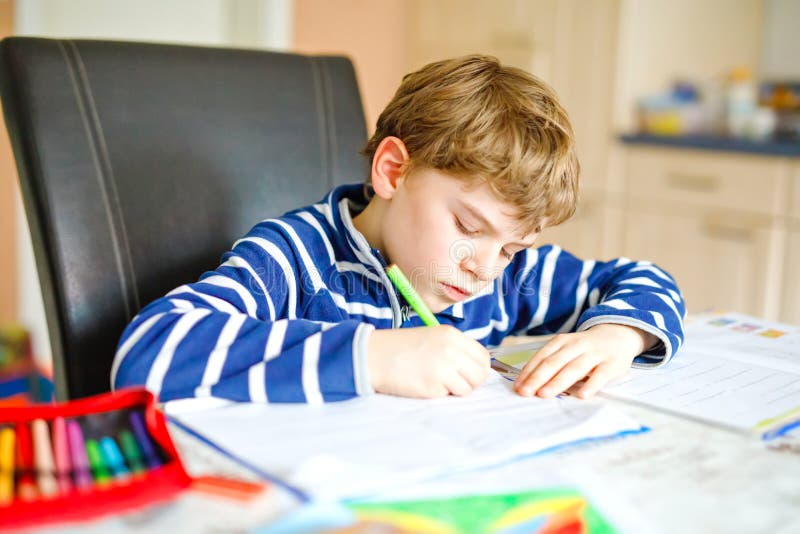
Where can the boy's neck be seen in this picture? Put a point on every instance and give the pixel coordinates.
(368, 222)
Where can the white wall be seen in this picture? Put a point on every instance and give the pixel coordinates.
(186, 21)
(781, 41)
(246, 23)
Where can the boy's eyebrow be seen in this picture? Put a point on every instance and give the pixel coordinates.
(478, 215)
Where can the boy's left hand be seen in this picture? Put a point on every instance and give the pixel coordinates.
(603, 353)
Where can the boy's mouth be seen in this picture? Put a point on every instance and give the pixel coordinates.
(454, 292)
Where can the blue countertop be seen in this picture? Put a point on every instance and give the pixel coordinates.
(708, 142)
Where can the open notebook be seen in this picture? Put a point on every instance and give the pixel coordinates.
(734, 371)
(357, 447)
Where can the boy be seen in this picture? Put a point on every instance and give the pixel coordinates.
(470, 160)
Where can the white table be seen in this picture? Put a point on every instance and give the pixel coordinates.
(682, 476)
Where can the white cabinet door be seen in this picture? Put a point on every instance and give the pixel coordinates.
(720, 260)
(715, 221)
(790, 309)
(705, 180)
(790, 298)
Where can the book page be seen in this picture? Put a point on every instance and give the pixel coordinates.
(712, 388)
(734, 370)
(352, 448)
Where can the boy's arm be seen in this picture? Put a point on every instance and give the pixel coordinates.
(617, 311)
(560, 293)
(235, 334)
(620, 310)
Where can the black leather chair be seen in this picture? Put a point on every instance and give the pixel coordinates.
(140, 164)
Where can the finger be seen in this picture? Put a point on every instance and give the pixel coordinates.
(546, 370)
(433, 392)
(463, 345)
(473, 373)
(479, 354)
(458, 385)
(551, 347)
(602, 375)
(574, 371)
(573, 389)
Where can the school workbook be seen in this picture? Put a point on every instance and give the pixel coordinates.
(356, 447)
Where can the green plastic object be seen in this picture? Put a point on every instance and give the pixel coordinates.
(99, 469)
(410, 294)
(131, 451)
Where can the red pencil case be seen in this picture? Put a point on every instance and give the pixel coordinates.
(107, 410)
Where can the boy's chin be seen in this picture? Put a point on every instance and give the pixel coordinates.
(436, 303)
(441, 304)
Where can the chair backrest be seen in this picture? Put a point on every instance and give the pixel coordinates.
(140, 164)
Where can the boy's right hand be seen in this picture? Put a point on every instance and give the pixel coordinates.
(426, 362)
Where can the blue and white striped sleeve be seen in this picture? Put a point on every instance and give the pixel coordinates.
(561, 293)
(235, 334)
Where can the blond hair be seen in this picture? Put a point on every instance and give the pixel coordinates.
(477, 119)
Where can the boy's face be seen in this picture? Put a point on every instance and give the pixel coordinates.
(450, 238)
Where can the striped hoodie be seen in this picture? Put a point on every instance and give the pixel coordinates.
(287, 314)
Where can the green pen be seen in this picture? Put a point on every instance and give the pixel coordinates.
(410, 294)
(131, 451)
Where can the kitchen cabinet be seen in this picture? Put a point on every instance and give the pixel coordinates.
(715, 221)
(790, 298)
(790, 292)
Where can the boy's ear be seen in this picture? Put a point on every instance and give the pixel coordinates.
(388, 166)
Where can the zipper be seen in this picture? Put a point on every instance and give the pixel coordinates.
(399, 316)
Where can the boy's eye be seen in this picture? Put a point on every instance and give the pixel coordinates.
(463, 229)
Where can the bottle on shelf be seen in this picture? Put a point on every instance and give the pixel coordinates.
(741, 102)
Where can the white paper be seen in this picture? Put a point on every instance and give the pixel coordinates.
(353, 448)
(728, 373)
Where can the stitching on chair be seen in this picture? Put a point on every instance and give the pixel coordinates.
(322, 115)
(105, 176)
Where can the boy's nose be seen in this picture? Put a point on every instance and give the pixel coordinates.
(480, 266)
